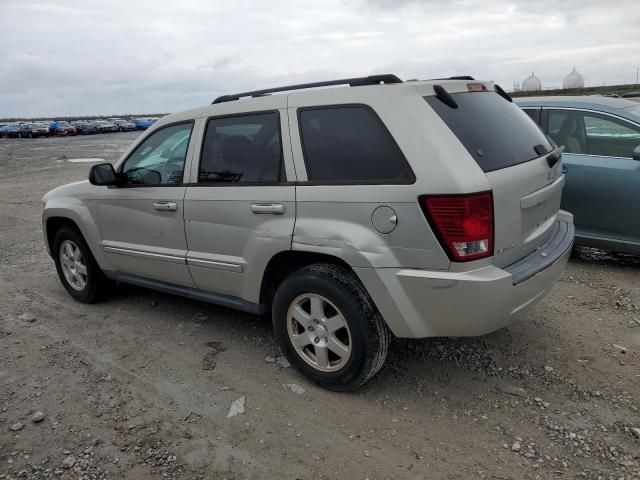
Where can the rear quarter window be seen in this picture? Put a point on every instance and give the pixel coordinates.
(496, 132)
(350, 144)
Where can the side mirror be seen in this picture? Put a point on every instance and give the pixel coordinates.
(103, 174)
(636, 153)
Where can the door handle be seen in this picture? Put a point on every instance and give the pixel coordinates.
(166, 206)
(268, 208)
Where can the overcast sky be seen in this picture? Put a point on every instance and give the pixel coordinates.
(143, 56)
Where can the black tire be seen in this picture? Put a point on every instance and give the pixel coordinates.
(370, 336)
(97, 285)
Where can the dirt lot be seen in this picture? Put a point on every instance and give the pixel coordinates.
(123, 392)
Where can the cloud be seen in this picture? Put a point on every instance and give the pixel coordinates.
(155, 56)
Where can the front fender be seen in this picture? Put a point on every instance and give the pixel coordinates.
(81, 214)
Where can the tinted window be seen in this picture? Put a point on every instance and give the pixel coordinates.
(496, 132)
(350, 144)
(534, 114)
(160, 158)
(242, 149)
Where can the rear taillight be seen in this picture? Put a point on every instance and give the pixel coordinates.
(462, 223)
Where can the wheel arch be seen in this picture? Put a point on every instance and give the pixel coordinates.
(53, 224)
(55, 218)
(284, 263)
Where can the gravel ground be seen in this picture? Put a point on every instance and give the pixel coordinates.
(147, 385)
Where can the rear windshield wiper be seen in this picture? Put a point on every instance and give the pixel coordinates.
(502, 93)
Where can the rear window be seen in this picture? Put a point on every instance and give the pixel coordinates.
(497, 133)
(349, 144)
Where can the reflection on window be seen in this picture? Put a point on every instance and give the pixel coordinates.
(607, 136)
(159, 160)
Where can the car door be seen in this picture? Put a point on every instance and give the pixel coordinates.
(240, 204)
(603, 181)
(141, 220)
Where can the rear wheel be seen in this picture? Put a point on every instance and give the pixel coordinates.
(328, 327)
(78, 271)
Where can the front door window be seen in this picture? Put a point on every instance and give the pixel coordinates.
(159, 160)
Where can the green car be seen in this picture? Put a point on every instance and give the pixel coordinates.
(602, 162)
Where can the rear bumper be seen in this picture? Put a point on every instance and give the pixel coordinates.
(422, 303)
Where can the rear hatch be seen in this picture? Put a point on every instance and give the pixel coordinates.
(521, 164)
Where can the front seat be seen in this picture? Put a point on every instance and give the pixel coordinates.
(567, 135)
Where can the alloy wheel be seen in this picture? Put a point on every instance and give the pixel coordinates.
(319, 332)
(73, 265)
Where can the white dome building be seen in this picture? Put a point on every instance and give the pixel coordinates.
(531, 84)
(573, 80)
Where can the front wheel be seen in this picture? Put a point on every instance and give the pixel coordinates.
(78, 271)
(328, 327)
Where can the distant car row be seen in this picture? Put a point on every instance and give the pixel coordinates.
(615, 95)
(61, 128)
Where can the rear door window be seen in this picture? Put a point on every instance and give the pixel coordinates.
(496, 132)
(566, 128)
(350, 144)
(242, 149)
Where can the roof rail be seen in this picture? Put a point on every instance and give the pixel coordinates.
(457, 77)
(353, 82)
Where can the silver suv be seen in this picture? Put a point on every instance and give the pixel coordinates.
(413, 209)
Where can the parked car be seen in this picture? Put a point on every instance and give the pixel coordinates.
(33, 130)
(106, 127)
(333, 219)
(631, 95)
(141, 123)
(11, 130)
(601, 137)
(84, 127)
(62, 128)
(124, 125)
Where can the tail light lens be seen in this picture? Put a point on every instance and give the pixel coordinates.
(477, 87)
(462, 223)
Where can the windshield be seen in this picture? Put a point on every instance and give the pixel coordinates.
(496, 132)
